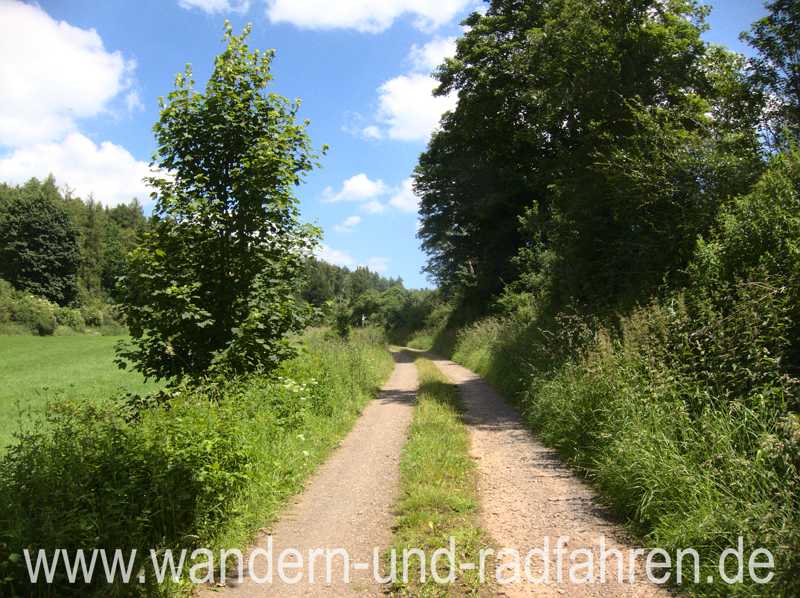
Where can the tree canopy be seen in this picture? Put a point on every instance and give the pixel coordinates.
(214, 283)
(39, 251)
(591, 143)
(775, 70)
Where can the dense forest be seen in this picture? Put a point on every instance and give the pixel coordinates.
(612, 211)
(61, 258)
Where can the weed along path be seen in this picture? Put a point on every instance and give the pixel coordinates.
(528, 495)
(347, 504)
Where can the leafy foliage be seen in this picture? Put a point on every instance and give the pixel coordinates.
(613, 132)
(106, 236)
(38, 242)
(98, 238)
(776, 68)
(345, 298)
(644, 311)
(214, 282)
(327, 282)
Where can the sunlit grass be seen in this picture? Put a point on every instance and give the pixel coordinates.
(439, 494)
(35, 370)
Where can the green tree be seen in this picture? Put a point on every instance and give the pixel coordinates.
(39, 250)
(776, 69)
(126, 223)
(93, 224)
(214, 284)
(610, 131)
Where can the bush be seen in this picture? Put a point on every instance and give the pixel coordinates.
(683, 412)
(23, 313)
(70, 317)
(34, 313)
(687, 447)
(205, 468)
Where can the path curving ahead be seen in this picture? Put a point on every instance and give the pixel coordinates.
(528, 494)
(348, 503)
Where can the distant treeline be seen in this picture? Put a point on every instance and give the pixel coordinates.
(360, 297)
(64, 250)
(61, 247)
(70, 252)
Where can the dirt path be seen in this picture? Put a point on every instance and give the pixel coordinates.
(528, 494)
(347, 503)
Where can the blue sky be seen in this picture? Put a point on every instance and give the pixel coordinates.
(79, 82)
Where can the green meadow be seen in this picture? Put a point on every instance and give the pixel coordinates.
(35, 370)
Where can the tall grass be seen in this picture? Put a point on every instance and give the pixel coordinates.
(686, 466)
(685, 411)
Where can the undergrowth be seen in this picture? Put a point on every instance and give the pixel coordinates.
(683, 411)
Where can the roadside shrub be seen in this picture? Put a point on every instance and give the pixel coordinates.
(686, 446)
(683, 412)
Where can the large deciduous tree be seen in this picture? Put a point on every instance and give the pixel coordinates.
(39, 250)
(776, 68)
(609, 130)
(213, 286)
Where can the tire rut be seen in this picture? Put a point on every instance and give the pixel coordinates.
(528, 494)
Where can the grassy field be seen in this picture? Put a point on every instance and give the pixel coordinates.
(438, 484)
(35, 370)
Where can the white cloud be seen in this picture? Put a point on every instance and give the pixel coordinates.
(404, 198)
(370, 16)
(408, 110)
(371, 132)
(335, 256)
(357, 188)
(108, 171)
(52, 74)
(360, 188)
(133, 102)
(217, 6)
(429, 56)
(373, 207)
(378, 264)
(348, 225)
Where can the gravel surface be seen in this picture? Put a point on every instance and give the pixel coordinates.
(527, 494)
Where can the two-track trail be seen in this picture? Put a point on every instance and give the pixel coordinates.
(348, 503)
(528, 494)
